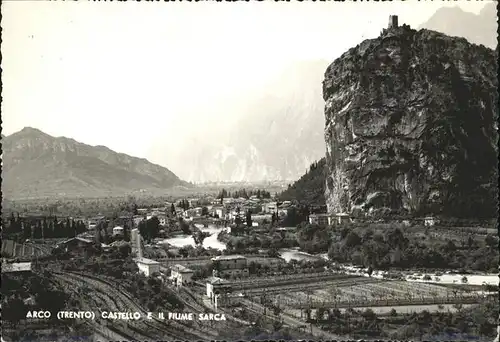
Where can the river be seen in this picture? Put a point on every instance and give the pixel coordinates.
(209, 242)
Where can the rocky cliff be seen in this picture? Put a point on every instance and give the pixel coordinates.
(411, 125)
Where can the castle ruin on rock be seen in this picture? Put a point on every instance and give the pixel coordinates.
(410, 126)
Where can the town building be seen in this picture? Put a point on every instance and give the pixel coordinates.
(320, 219)
(273, 263)
(137, 219)
(181, 275)
(430, 221)
(118, 231)
(75, 244)
(220, 293)
(226, 266)
(288, 232)
(216, 285)
(220, 212)
(262, 218)
(193, 202)
(17, 267)
(147, 266)
(270, 207)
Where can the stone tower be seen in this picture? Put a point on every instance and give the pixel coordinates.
(393, 21)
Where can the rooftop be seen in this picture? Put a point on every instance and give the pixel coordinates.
(216, 280)
(16, 267)
(78, 239)
(146, 261)
(182, 269)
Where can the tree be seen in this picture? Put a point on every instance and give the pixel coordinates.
(249, 218)
(14, 310)
(199, 236)
(97, 236)
(37, 232)
(184, 226)
(273, 252)
(172, 209)
(26, 231)
(352, 240)
(491, 241)
(153, 227)
(126, 232)
(45, 229)
(204, 211)
(274, 219)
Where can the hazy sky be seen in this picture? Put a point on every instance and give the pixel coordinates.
(126, 75)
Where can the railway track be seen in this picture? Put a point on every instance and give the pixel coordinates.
(93, 302)
(117, 299)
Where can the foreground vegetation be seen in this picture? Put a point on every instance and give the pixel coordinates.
(476, 322)
(393, 248)
(23, 293)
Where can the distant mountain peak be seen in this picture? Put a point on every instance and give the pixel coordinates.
(39, 165)
(31, 130)
(476, 28)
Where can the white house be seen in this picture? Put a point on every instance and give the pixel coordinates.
(181, 275)
(18, 267)
(220, 212)
(230, 266)
(429, 221)
(118, 230)
(215, 286)
(319, 219)
(270, 207)
(147, 266)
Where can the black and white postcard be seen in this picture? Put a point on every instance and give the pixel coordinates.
(249, 170)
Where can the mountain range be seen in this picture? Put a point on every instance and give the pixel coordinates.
(277, 136)
(280, 134)
(478, 28)
(36, 165)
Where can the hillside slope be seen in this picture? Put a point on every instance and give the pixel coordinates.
(36, 164)
(310, 188)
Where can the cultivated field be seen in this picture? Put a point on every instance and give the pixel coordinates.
(24, 250)
(387, 290)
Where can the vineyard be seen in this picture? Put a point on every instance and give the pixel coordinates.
(24, 250)
(374, 293)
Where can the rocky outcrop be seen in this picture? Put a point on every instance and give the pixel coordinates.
(411, 126)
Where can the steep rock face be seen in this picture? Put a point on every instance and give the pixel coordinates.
(411, 125)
